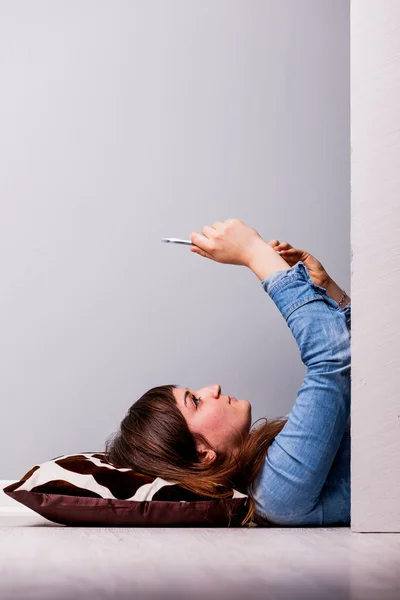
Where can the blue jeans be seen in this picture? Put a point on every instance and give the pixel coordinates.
(305, 478)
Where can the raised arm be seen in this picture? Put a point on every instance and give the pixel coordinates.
(289, 486)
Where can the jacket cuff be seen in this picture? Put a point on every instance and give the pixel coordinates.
(291, 288)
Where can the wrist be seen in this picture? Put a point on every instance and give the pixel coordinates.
(336, 293)
(323, 280)
(264, 261)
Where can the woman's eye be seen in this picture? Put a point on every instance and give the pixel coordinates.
(195, 400)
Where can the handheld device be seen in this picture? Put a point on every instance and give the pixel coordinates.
(177, 241)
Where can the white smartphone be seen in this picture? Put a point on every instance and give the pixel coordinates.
(177, 241)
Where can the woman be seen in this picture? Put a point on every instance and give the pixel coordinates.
(296, 471)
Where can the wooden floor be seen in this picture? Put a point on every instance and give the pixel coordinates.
(41, 560)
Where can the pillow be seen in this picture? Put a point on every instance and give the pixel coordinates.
(85, 489)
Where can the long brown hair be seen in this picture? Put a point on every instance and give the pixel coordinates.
(155, 440)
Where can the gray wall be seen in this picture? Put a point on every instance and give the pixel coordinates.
(124, 122)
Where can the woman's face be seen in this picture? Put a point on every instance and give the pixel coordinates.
(217, 417)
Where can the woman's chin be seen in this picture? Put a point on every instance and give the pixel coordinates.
(247, 407)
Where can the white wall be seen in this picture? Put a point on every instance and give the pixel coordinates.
(122, 122)
(375, 240)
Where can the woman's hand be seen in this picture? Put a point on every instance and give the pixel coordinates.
(231, 242)
(294, 255)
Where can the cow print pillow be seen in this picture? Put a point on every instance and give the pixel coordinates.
(85, 489)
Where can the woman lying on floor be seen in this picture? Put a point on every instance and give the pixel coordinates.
(296, 470)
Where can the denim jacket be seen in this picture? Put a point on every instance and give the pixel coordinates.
(305, 478)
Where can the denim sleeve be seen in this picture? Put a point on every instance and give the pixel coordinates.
(288, 488)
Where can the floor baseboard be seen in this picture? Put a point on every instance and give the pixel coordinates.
(9, 506)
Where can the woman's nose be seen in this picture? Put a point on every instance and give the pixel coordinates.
(216, 389)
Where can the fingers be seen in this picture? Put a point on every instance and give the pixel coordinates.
(196, 250)
(290, 254)
(285, 246)
(208, 232)
(285, 249)
(204, 241)
(201, 241)
(277, 245)
(218, 225)
(282, 247)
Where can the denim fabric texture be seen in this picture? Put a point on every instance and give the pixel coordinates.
(305, 478)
